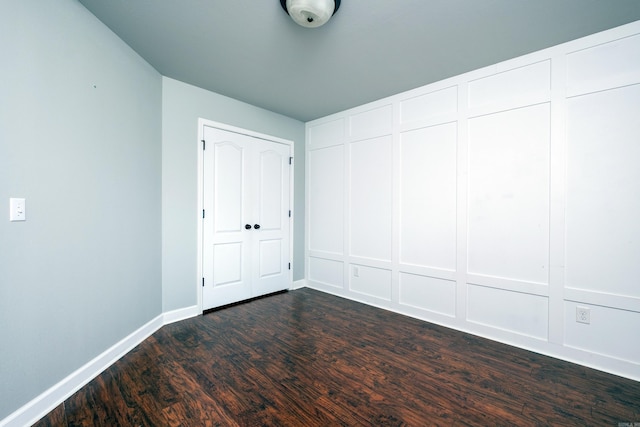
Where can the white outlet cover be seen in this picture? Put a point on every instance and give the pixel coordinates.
(583, 315)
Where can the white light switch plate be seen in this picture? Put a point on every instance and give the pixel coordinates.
(17, 209)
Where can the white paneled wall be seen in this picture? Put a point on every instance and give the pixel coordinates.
(495, 202)
(508, 194)
(325, 179)
(370, 198)
(603, 199)
(428, 197)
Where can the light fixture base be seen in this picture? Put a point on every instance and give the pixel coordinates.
(310, 13)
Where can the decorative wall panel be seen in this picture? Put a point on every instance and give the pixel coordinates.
(521, 86)
(509, 194)
(604, 66)
(372, 123)
(375, 282)
(326, 271)
(610, 332)
(326, 199)
(429, 106)
(428, 293)
(370, 198)
(326, 134)
(517, 312)
(428, 197)
(603, 192)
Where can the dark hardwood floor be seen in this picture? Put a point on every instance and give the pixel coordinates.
(304, 358)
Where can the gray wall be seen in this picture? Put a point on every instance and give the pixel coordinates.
(182, 105)
(80, 139)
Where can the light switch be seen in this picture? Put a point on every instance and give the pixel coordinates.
(17, 209)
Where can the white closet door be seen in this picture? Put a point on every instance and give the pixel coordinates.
(270, 255)
(246, 221)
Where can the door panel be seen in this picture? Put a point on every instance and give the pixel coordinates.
(270, 260)
(227, 264)
(270, 192)
(271, 245)
(246, 184)
(228, 186)
(226, 243)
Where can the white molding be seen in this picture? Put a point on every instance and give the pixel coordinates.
(508, 284)
(200, 207)
(619, 367)
(299, 284)
(54, 396)
(180, 314)
(50, 399)
(586, 296)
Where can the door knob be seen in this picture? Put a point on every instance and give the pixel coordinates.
(247, 226)
(256, 226)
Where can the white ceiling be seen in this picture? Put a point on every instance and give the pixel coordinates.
(252, 51)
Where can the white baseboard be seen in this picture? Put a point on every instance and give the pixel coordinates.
(50, 399)
(611, 365)
(299, 284)
(180, 314)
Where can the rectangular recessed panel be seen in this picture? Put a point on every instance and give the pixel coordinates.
(428, 293)
(271, 191)
(605, 66)
(326, 271)
(521, 313)
(227, 263)
(428, 197)
(375, 282)
(326, 134)
(520, 86)
(228, 187)
(326, 199)
(371, 198)
(430, 105)
(371, 123)
(603, 192)
(610, 332)
(270, 258)
(508, 194)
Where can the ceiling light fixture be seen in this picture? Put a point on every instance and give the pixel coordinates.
(310, 13)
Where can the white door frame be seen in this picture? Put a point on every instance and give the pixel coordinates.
(202, 123)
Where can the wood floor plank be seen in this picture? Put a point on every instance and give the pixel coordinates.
(305, 358)
(55, 418)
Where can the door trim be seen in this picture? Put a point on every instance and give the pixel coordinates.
(202, 123)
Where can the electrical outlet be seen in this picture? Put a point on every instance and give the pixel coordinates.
(583, 315)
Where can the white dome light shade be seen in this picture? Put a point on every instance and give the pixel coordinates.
(310, 13)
